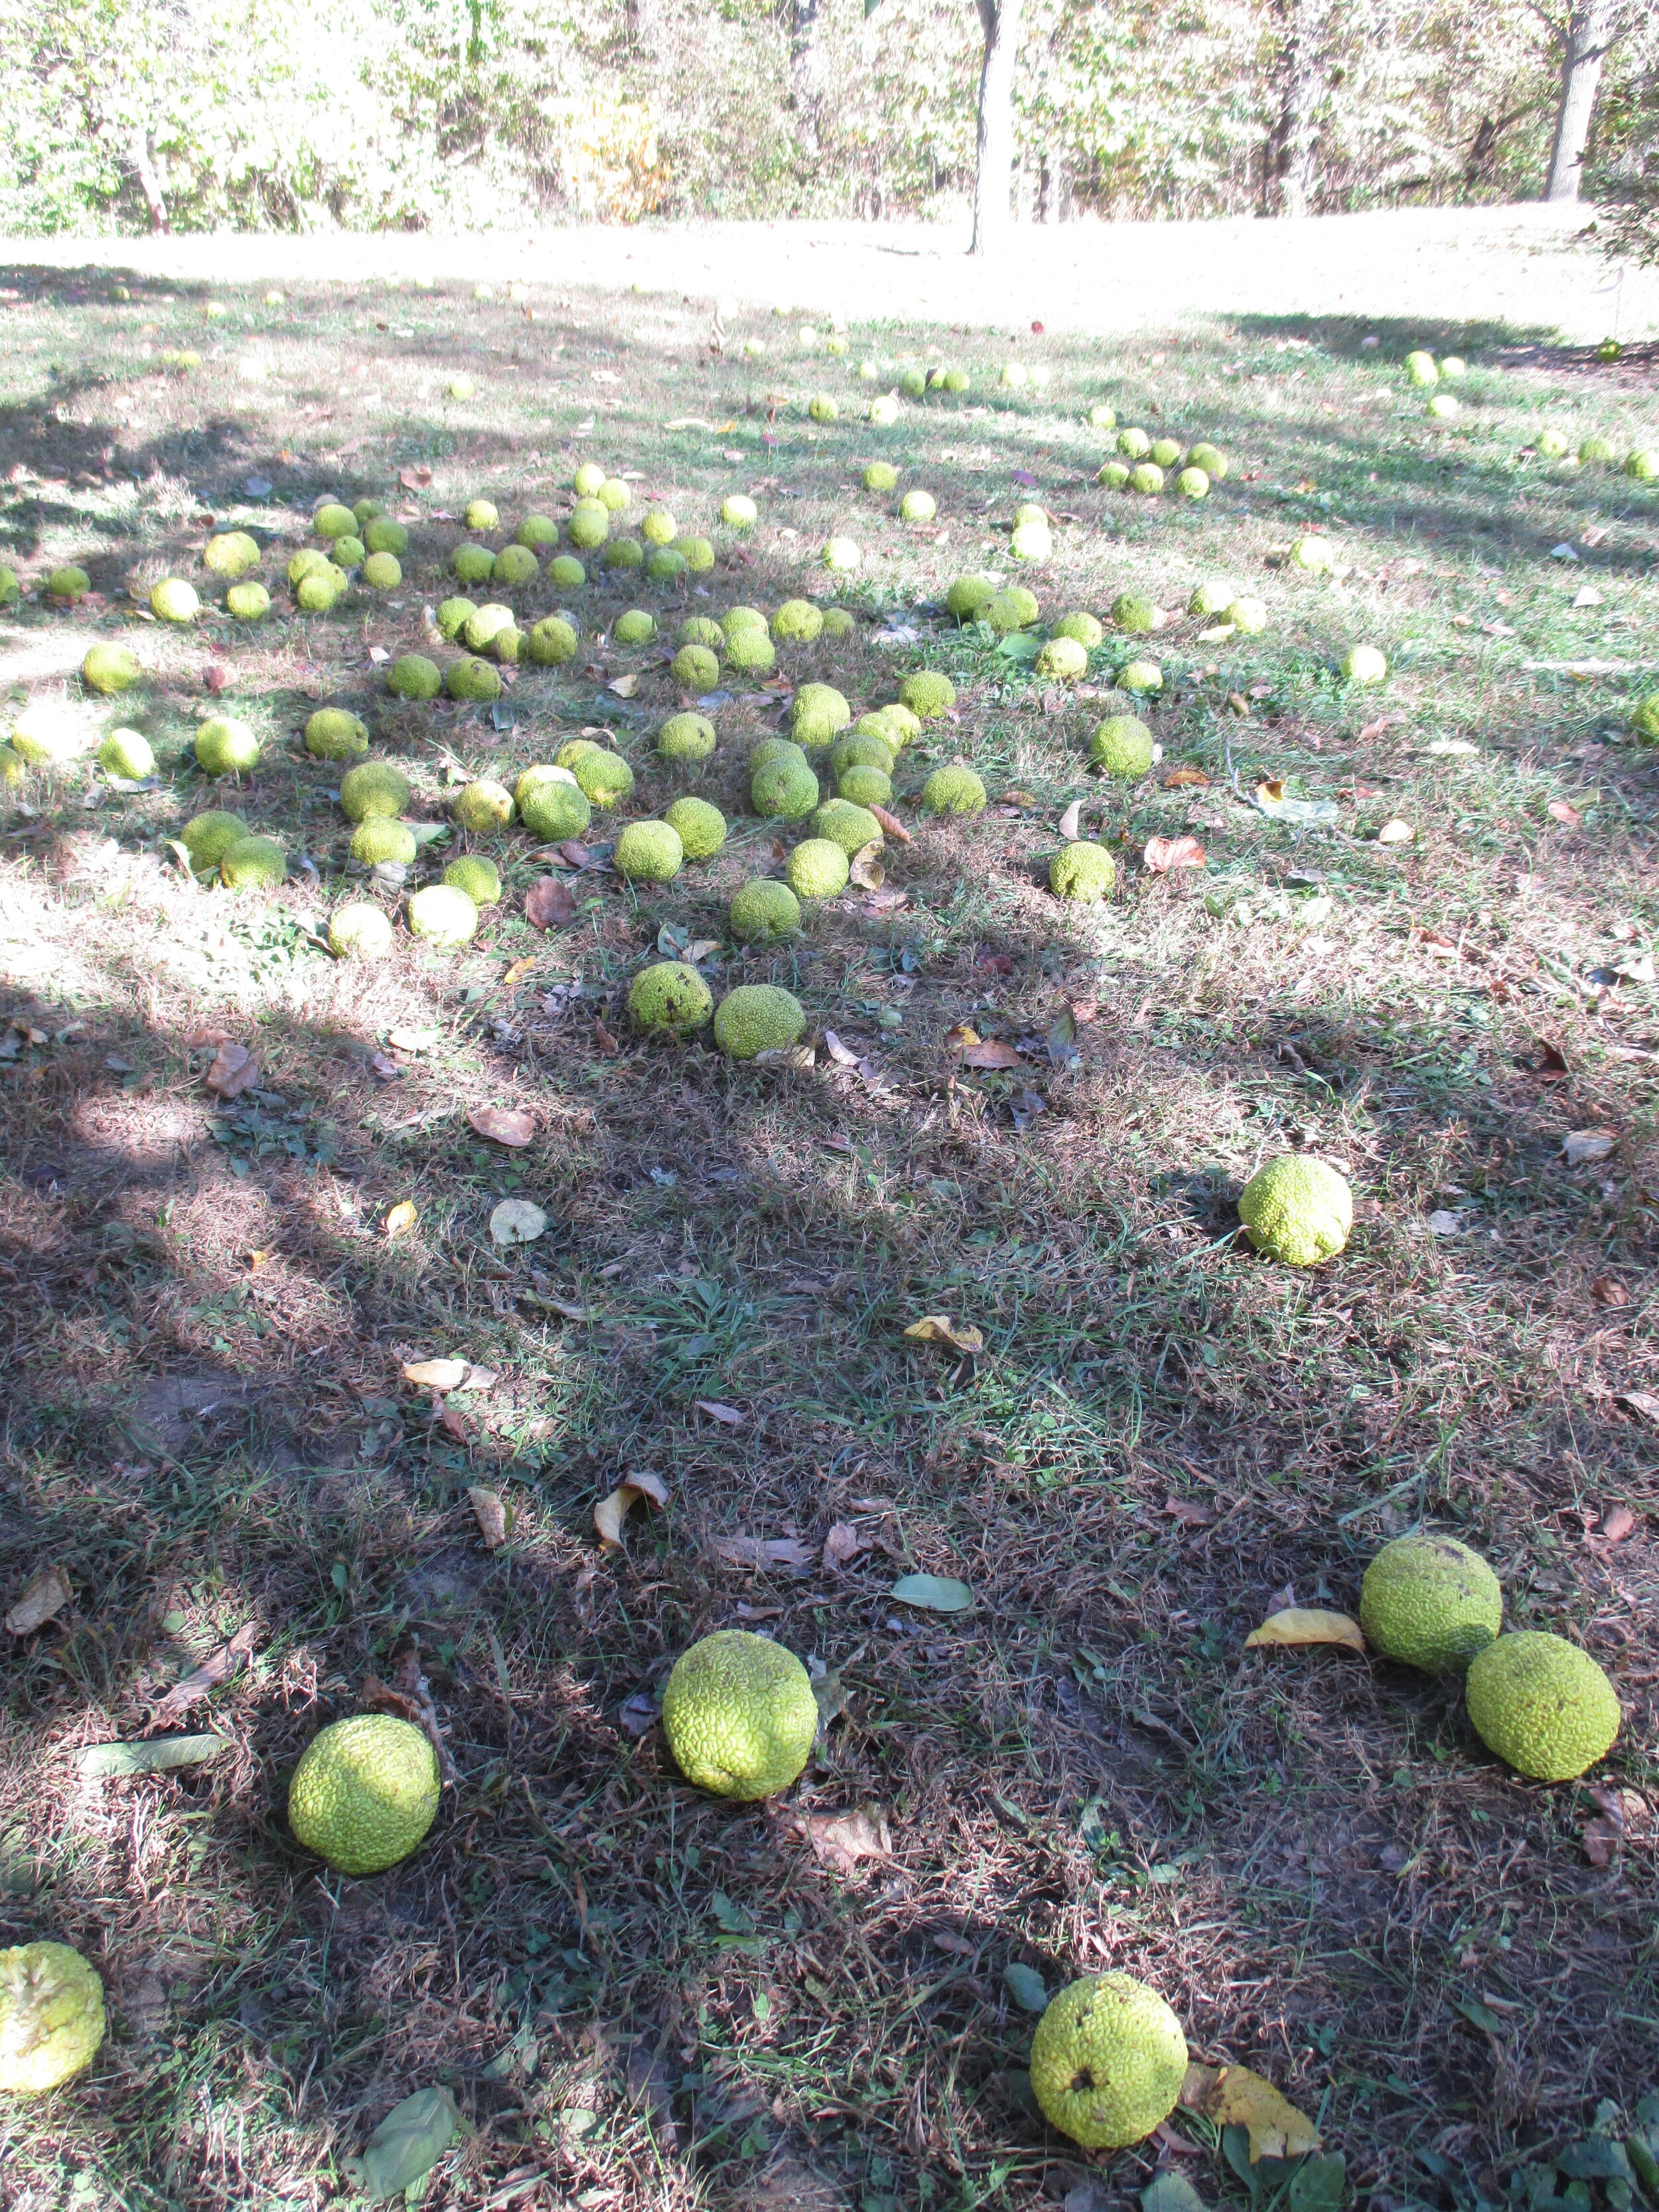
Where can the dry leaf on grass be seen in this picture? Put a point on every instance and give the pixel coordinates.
(548, 904)
(1395, 832)
(1643, 1402)
(844, 1055)
(603, 1040)
(435, 1374)
(1071, 821)
(993, 1054)
(517, 1221)
(409, 1694)
(401, 1218)
(1189, 1512)
(939, 1328)
(104, 1762)
(1584, 1146)
(1618, 1525)
(1298, 1624)
(727, 1415)
(611, 1512)
(503, 1125)
(1601, 1840)
(1183, 779)
(1162, 855)
(842, 1839)
(519, 970)
(894, 828)
(865, 869)
(1233, 2096)
(191, 1688)
(1559, 810)
(495, 1516)
(42, 1599)
(234, 1070)
(764, 1552)
(625, 686)
(842, 1543)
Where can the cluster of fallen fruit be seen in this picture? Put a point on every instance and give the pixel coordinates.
(1109, 2056)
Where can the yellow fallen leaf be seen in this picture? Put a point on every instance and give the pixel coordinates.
(1233, 2096)
(939, 1328)
(1396, 833)
(519, 969)
(403, 1216)
(961, 1037)
(258, 1259)
(435, 1374)
(611, 1512)
(1297, 1625)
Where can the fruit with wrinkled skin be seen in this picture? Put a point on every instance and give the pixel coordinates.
(1192, 483)
(173, 600)
(686, 736)
(605, 776)
(1429, 1603)
(587, 479)
(1596, 451)
(333, 734)
(1122, 745)
(863, 786)
(127, 753)
(648, 852)
(614, 495)
(1140, 677)
(700, 826)
(928, 695)
(968, 596)
(1442, 408)
(1297, 1209)
(483, 806)
(555, 810)
(1314, 553)
(784, 788)
(252, 864)
(1147, 477)
(1209, 458)
(208, 836)
(68, 582)
(758, 1017)
(1247, 616)
(918, 506)
(1108, 2061)
(739, 1710)
(1542, 1705)
(333, 520)
(1012, 609)
(1166, 452)
(1421, 369)
(1644, 465)
(514, 565)
(1114, 475)
(669, 997)
(472, 680)
(796, 621)
(382, 571)
(695, 669)
(1133, 612)
(1080, 626)
(1084, 872)
(366, 1789)
(481, 514)
(453, 616)
(1363, 664)
(1644, 718)
(1209, 600)
(880, 476)
(862, 748)
(359, 930)
(841, 555)
(1551, 444)
(225, 747)
(1031, 541)
(739, 512)
(484, 625)
(375, 787)
(51, 2017)
(953, 790)
(884, 410)
(230, 555)
(348, 552)
(1063, 657)
(382, 839)
(1134, 445)
(698, 555)
(816, 868)
(638, 626)
(750, 651)
(478, 876)
(819, 711)
(472, 564)
(384, 535)
(318, 590)
(761, 909)
(552, 641)
(109, 670)
(444, 916)
(247, 602)
(850, 827)
(589, 525)
(412, 675)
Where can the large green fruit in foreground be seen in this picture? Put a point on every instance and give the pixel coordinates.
(740, 1715)
(364, 1793)
(1296, 1210)
(1108, 2061)
(758, 1017)
(51, 2017)
(1430, 1601)
(1542, 1704)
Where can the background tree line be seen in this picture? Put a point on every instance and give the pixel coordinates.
(132, 114)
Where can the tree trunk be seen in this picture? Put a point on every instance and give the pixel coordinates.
(806, 87)
(149, 183)
(994, 177)
(1288, 163)
(1589, 33)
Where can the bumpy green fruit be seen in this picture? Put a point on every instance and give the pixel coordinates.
(480, 878)
(224, 747)
(669, 997)
(68, 582)
(865, 786)
(382, 535)
(968, 597)
(884, 409)
(1644, 718)
(247, 602)
(785, 787)
(648, 852)
(350, 552)
(443, 915)
(1551, 444)
(382, 841)
(1108, 2061)
(1543, 1705)
(587, 479)
(484, 625)
(605, 776)
(1209, 600)
(918, 506)
(375, 787)
(589, 525)
(1114, 475)
(230, 555)
(318, 590)
(1247, 616)
(1644, 465)
(695, 669)
(1012, 609)
(1063, 657)
(698, 630)
(412, 675)
(1084, 872)
(816, 868)
(470, 678)
(1103, 416)
(1442, 408)
(665, 566)
(173, 600)
(1140, 677)
(742, 618)
(472, 564)
(127, 753)
(880, 476)
(332, 520)
(453, 616)
(1122, 745)
(483, 807)
(700, 826)
(554, 811)
(1315, 553)
(109, 669)
(953, 790)
(1147, 477)
(1166, 452)
(739, 1710)
(1031, 541)
(365, 511)
(1363, 664)
(207, 837)
(51, 2017)
(698, 554)
(761, 909)
(862, 748)
(1134, 445)
(686, 736)
(818, 711)
(1081, 627)
(750, 651)
(1420, 367)
(358, 930)
(1596, 452)
(1298, 1210)
(850, 827)
(841, 554)
(366, 1789)
(552, 642)
(796, 621)
(382, 571)
(481, 514)
(614, 495)
(636, 627)
(1192, 483)
(739, 512)
(928, 695)
(660, 528)
(1211, 459)
(1430, 1601)
(333, 734)
(536, 530)
(252, 864)
(758, 1017)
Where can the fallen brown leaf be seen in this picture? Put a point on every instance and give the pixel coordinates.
(842, 1543)
(494, 1516)
(939, 1328)
(1608, 1291)
(1584, 1146)
(894, 828)
(409, 1694)
(1643, 1402)
(603, 1039)
(1190, 1513)
(503, 1125)
(548, 904)
(995, 1054)
(190, 1689)
(1297, 1624)
(1559, 810)
(728, 1415)
(1619, 1524)
(415, 479)
(1162, 855)
(43, 1597)
(763, 1552)
(611, 1512)
(233, 1071)
(1600, 1841)
(1182, 779)
(844, 1055)
(842, 1839)
(865, 869)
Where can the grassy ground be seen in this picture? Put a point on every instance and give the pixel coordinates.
(639, 1997)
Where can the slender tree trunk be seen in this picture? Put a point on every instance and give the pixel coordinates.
(993, 179)
(1288, 165)
(805, 84)
(149, 182)
(1590, 31)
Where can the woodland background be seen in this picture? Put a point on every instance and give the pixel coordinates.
(123, 115)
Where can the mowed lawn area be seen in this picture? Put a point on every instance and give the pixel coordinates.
(1409, 928)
